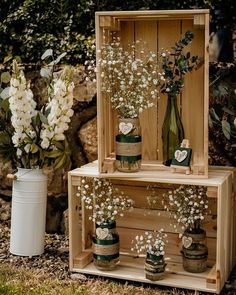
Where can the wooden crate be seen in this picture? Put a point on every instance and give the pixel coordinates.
(220, 230)
(160, 29)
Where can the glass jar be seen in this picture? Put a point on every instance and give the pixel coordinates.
(128, 145)
(194, 250)
(106, 246)
(154, 267)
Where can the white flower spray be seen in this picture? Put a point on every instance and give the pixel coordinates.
(152, 242)
(187, 205)
(130, 77)
(104, 200)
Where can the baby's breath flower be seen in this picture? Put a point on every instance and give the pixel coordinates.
(187, 205)
(152, 242)
(94, 192)
(128, 79)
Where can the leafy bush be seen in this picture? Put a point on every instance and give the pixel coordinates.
(29, 27)
(222, 113)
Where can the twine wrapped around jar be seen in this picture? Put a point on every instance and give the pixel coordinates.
(154, 267)
(128, 145)
(194, 251)
(106, 246)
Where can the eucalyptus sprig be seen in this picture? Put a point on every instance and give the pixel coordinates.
(176, 63)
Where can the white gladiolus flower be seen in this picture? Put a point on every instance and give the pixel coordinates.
(36, 130)
(60, 111)
(22, 107)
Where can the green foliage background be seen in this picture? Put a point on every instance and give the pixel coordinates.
(29, 27)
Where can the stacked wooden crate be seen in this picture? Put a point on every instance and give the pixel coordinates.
(160, 29)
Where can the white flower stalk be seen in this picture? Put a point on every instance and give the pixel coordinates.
(22, 107)
(129, 77)
(105, 201)
(60, 107)
(152, 242)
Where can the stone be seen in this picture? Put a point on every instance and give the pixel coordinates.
(88, 138)
(84, 90)
(56, 205)
(77, 276)
(65, 222)
(5, 210)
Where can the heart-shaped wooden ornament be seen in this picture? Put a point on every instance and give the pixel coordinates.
(125, 128)
(102, 233)
(187, 241)
(180, 156)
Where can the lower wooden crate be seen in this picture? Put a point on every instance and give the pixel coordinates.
(220, 228)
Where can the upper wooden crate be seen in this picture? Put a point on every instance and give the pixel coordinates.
(159, 29)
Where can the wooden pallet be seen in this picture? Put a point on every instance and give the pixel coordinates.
(220, 228)
(160, 29)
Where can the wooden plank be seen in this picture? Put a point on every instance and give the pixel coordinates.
(130, 269)
(199, 21)
(100, 107)
(228, 227)
(83, 259)
(221, 234)
(75, 229)
(156, 219)
(206, 91)
(216, 177)
(178, 13)
(147, 32)
(211, 279)
(193, 100)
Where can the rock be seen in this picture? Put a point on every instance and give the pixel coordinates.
(5, 210)
(88, 138)
(65, 222)
(77, 276)
(57, 182)
(5, 168)
(55, 208)
(84, 90)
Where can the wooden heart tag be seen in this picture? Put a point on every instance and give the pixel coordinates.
(180, 156)
(125, 128)
(187, 241)
(102, 233)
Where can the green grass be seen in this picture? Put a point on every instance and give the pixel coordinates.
(34, 282)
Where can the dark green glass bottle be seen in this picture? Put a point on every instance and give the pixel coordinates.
(172, 130)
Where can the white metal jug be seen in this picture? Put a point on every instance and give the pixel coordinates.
(28, 215)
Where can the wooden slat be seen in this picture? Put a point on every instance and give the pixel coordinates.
(83, 259)
(132, 270)
(100, 101)
(193, 100)
(151, 220)
(221, 233)
(147, 32)
(216, 176)
(75, 229)
(178, 13)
